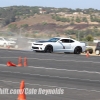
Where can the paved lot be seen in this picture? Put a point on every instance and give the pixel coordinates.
(77, 75)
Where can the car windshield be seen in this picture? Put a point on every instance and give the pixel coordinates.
(53, 40)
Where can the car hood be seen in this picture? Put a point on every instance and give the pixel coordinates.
(41, 42)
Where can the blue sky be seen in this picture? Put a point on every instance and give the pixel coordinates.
(83, 4)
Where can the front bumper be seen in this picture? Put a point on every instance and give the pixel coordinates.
(38, 48)
(11, 45)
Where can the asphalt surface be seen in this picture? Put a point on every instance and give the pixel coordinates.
(77, 75)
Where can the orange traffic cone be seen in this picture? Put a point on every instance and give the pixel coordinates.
(9, 63)
(87, 54)
(20, 62)
(25, 61)
(22, 95)
(8, 47)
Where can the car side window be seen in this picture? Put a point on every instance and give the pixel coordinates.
(71, 41)
(67, 41)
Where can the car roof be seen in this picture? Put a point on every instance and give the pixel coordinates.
(62, 37)
(65, 38)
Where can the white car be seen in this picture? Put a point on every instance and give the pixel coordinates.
(6, 42)
(59, 44)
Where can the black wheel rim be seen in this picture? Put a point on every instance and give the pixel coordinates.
(78, 51)
(49, 49)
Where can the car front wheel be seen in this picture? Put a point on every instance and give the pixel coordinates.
(49, 49)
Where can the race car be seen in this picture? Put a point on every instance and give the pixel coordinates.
(59, 44)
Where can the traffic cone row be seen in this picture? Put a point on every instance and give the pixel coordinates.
(9, 63)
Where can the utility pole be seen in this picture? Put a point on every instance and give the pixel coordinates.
(78, 36)
(20, 35)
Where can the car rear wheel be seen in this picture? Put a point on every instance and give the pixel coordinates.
(77, 50)
(97, 52)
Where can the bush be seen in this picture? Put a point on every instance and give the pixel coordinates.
(24, 25)
(44, 23)
(89, 37)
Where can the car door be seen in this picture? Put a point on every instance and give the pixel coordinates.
(57, 46)
(66, 43)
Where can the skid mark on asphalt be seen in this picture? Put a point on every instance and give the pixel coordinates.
(46, 54)
(35, 67)
(79, 61)
(83, 71)
(12, 82)
(8, 57)
(50, 76)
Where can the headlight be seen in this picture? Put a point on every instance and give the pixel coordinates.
(37, 44)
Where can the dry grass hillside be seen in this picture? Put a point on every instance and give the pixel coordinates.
(39, 20)
(36, 20)
(45, 23)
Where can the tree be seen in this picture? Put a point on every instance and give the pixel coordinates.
(13, 27)
(57, 18)
(63, 19)
(89, 37)
(5, 22)
(84, 19)
(78, 20)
